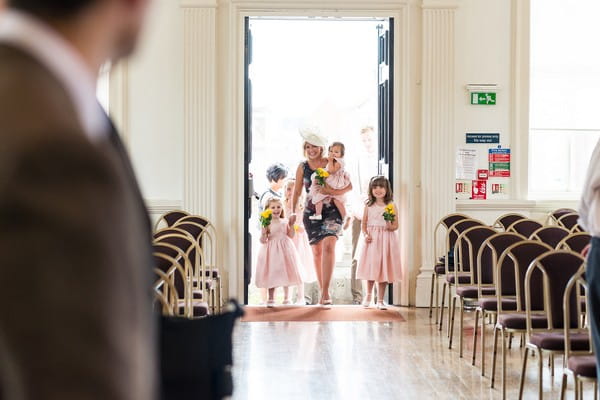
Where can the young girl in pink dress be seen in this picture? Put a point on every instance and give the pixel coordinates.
(278, 262)
(380, 258)
(338, 179)
(300, 239)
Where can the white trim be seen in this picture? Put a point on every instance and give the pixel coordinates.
(161, 206)
(198, 3)
(441, 4)
(232, 139)
(519, 113)
(118, 99)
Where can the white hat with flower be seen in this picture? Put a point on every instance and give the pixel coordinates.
(313, 136)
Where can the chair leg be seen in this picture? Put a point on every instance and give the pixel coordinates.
(482, 346)
(595, 387)
(510, 338)
(503, 366)
(523, 369)
(576, 386)
(540, 376)
(461, 325)
(433, 275)
(475, 334)
(451, 323)
(494, 352)
(552, 365)
(563, 386)
(442, 306)
(449, 301)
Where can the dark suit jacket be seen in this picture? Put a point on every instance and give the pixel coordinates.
(75, 255)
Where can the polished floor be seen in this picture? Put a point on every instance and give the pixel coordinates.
(370, 360)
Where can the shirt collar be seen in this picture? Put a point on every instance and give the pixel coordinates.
(62, 60)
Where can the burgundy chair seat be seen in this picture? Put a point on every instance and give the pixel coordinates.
(556, 341)
(583, 365)
(470, 292)
(440, 269)
(492, 304)
(519, 321)
(201, 310)
(462, 278)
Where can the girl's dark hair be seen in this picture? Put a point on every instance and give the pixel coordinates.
(51, 8)
(341, 146)
(271, 200)
(380, 181)
(276, 172)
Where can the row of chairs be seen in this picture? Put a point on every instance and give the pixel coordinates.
(188, 276)
(517, 273)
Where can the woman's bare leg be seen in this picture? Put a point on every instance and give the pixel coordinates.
(328, 264)
(317, 250)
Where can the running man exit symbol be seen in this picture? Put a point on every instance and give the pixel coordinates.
(485, 98)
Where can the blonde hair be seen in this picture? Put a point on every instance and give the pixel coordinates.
(304, 149)
(285, 198)
(273, 200)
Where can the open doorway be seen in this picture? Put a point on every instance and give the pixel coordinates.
(332, 73)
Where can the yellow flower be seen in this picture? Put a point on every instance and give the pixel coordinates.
(390, 209)
(296, 227)
(322, 173)
(267, 213)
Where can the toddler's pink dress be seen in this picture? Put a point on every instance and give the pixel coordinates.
(337, 180)
(379, 260)
(278, 261)
(307, 263)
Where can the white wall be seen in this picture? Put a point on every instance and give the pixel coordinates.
(155, 105)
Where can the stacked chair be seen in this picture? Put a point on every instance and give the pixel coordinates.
(528, 279)
(188, 275)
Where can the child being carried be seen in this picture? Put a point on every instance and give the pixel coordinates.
(335, 177)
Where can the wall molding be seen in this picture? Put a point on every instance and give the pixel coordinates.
(161, 206)
(199, 110)
(198, 3)
(440, 4)
(118, 99)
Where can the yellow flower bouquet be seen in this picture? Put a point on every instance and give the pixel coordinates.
(320, 175)
(266, 217)
(389, 213)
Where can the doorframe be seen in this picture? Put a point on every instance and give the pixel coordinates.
(233, 142)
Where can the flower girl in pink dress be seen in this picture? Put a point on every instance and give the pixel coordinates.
(278, 262)
(300, 239)
(380, 258)
(337, 178)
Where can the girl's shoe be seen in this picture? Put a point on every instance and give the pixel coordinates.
(367, 302)
(270, 303)
(381, 306)
(286, 302)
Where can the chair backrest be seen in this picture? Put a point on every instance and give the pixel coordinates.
(445, 223)
(506, 220)
(575, 242)
(511, 269)
(467, 247)
(165, 293)
(557, 268)
(575, 289)
(568, 221)
(489, 252)
(524, 227)
(553, 216)
(206, 235)
(174, 273)
(169, 219)
(551, 235)
(452, 235)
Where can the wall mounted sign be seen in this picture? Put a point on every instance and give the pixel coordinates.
(483, 98)
(478, 190)
(482, 174)
(483, 138)
(499, 160)
(466, 163)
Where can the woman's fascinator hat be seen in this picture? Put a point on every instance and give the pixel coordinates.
(313, 136)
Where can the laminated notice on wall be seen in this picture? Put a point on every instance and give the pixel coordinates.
(479, 190)
(466, 164)
(499, 160)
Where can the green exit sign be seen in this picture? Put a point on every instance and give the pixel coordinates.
(486, 98)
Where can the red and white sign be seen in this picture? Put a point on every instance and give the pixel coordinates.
(478, 190)
(482, 174)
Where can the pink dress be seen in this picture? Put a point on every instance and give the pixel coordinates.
(278, 262)
(307, 263)
(337, 180)
(379, 260)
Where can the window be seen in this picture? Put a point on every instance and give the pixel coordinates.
(564, 96)
(102, 88)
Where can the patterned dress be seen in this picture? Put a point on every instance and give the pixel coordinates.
(330, 225)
